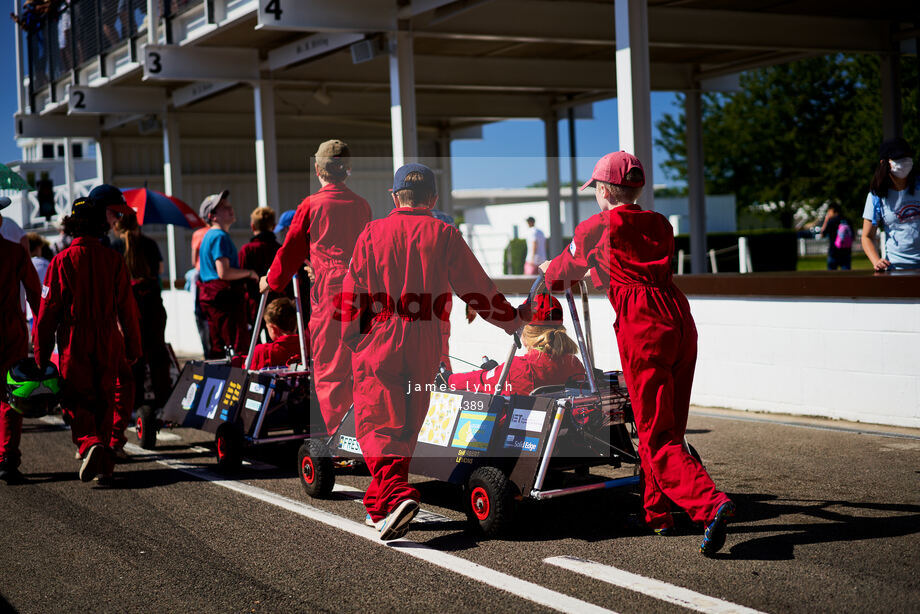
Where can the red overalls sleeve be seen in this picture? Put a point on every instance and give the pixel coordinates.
(295, 250)
(128, 314)
(46, 321)
(569, 267)
(470, 282)
(32, 284)
(354, 295)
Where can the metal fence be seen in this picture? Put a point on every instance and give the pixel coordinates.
(70, 34)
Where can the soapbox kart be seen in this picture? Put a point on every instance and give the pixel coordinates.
(241, 407)
(503, 448)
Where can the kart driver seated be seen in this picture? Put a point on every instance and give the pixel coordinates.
(550, 357)
(284, 348)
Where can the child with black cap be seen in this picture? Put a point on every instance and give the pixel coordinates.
(629, 251)
(88, 307)
(414, 260)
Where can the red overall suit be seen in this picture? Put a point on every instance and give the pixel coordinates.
(324, 230)
(278, 353)
(530, 371)
(15, 268)
(630, 252)
(403, 268)
(257, 255)
(87, 294)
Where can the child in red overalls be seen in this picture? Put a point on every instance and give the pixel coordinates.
(550, 357)
(86, 296)
(403, 267)
(15, 268)
(284, 348)
(630, 253)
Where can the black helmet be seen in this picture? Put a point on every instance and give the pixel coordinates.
(32, 391)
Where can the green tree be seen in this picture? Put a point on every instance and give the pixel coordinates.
(795, 134)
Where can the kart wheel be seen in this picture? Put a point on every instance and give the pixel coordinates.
(229, 443)
(490, 500)
(147, 427)
(317, 474)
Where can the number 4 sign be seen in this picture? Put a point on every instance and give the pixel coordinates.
(325, 16)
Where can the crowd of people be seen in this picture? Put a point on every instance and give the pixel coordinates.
(97, 304)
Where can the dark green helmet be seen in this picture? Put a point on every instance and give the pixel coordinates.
(32, 391)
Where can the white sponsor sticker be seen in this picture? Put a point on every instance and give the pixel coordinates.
(572, 248)
(253, 404)
(527, 420)
(45, 291)
(491, 373)
(257, 388)
(349, 444)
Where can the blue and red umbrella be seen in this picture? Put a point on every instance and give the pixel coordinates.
(156, 208)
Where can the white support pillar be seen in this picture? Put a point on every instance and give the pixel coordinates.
(551, 132)
(69, 171)
(402, 99)
(573, 167)
(696, 185)
(634, 88)
(266, 145)
(445, 189)
(889, 68)
(153, 19)
(20, 73)
(172, 184)
(104, 160)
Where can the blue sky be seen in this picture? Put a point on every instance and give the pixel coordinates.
(518, 143)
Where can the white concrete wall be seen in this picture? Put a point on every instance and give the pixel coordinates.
(852, 359)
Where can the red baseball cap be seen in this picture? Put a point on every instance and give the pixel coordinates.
(544, 311)
(613, 167)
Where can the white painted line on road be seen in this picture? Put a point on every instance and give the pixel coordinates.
(502, 581)
(55, 420)
(818, 427)
(649, 586)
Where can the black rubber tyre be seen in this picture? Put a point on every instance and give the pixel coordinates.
(490, 501)
(314, 464)
(229, 442)
(147, 426)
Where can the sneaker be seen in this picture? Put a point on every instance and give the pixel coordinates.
(396, 524)
(119, 455)
(368, 521)
(11, 475)
(106, 481)
(77, 455)
(92, 463)
(714, 535)
(665, 531)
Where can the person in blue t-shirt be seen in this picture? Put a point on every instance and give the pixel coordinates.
(893, 202)
(221, 292)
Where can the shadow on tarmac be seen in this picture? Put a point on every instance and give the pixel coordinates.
(831, 525)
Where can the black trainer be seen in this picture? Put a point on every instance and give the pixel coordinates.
(714, 535)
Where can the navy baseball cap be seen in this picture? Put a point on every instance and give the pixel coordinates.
(285, 220)
(426, 183)
(110, 197)
(5, 202)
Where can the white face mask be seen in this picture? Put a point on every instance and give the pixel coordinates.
(901, 167)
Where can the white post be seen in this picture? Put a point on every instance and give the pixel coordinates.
(172, 184)
(675, 223)
(104, 160)
(445, 202)
(803, 250)
(153, 19)
(68, 170)
(634, 88)
(573, 167)
(712, 260)
(266, 145)
(743, 259)
(680, 261)
(696, 186)
(20, 87)
(402, 99)
(551, 135)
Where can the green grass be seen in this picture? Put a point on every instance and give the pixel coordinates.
(819, 263)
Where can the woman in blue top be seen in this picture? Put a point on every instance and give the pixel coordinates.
(893, 201)
(221, 292)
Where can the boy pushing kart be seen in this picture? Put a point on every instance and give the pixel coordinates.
(630, 253)
(401, 261)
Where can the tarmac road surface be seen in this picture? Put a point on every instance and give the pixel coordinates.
(829, 521)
